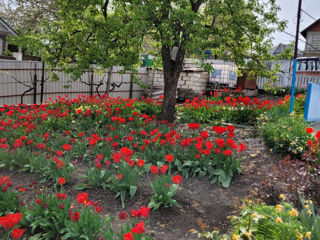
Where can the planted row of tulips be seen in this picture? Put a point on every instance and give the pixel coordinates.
(58, 216)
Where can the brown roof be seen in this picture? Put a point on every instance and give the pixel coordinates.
(306, 30)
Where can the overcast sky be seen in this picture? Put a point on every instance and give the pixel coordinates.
(289, 9)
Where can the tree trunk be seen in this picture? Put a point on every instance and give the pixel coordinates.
(171, 71)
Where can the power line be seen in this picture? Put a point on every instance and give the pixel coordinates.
(302, 41)
(308, 14)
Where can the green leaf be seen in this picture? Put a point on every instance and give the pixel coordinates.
(147, 167)
(82, 186)
(225, 180)
(202, 174)
(217, 172)
(188, 163)
(213, 179)
(133, 190)
(122, 197)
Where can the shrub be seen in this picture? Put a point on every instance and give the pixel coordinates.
(286, 134)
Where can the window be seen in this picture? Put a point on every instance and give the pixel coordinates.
(302, 66)
(311, 65)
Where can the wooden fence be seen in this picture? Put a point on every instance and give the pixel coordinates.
(29, 82)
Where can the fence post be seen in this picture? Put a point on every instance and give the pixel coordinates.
(131, 85)
(91, 84)
(35, 88)
(42, 83)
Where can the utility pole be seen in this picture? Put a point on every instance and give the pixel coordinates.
(295, 57)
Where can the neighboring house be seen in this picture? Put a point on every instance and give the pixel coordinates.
(5, 31)
(279, 49)
(276, 50)
(312, 35)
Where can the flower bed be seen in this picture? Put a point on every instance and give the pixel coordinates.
(120, 142)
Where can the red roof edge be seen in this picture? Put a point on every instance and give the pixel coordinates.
(304, 31)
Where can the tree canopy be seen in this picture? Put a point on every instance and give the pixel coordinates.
(105, 33)
(26, 14)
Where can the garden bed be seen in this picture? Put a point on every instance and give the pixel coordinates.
(91, 159)
(198, 199)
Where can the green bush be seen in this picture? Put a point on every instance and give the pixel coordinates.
(286, 135)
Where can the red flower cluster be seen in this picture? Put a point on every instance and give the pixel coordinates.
(82, 198)
(169, 158)
(10, 220)
(5, 183)
(193, 125)
(17, 233)
(143, 212)
(61, 181)
(177, 179)
(74, 216)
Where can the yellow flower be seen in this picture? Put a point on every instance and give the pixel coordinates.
(309, 212)
(282, 196)
(236, 237)
(279, 220)
(300, 236)
(293, 213)
(306, 206)
(279, 208)
(254, 215)
(309, 201)
(308, 234)
(248, 234)
(79, 108)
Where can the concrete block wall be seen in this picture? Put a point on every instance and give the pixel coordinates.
(193, 82)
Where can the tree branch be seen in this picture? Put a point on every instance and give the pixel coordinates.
(105, 9)
(196, 5)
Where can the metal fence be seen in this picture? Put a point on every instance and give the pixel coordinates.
(29, 82)
(285, 80)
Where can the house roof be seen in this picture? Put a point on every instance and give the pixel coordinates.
(279, 48)
(5, 28)
(306, 30)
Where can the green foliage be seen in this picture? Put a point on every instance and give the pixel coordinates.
(284, 133)
(164, 191)
(148, 108)
(10, 201)
(310, 218)
(264, 222)
(95, 178)
(47, 216)
(124, 181)
(287, 135)
(87, 227)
